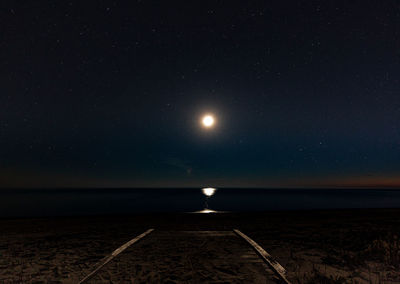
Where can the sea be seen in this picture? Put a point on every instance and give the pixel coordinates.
(109, 201)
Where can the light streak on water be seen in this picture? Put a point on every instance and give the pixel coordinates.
(209, 191)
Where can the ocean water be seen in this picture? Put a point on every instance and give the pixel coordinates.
(72, 202)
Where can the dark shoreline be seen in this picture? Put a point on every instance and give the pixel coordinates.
(311, 244)
(294, 212)
(29, 203)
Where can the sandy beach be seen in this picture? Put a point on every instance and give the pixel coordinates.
(335, 246)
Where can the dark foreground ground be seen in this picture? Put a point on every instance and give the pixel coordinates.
(335, 246)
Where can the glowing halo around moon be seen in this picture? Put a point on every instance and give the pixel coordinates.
(208, 121)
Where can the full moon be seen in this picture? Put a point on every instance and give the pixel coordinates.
(208, 121)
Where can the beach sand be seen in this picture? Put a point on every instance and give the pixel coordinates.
(332, 246)
(188, 257)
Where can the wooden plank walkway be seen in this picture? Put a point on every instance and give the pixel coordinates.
(114, 254)
(275, 266)
(188, 257)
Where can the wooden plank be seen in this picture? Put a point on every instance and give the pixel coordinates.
(115, 253)
(276, 267)
(188, 257)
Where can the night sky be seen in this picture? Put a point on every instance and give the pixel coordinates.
(110, 93)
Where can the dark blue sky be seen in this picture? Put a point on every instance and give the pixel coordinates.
(109, 93)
